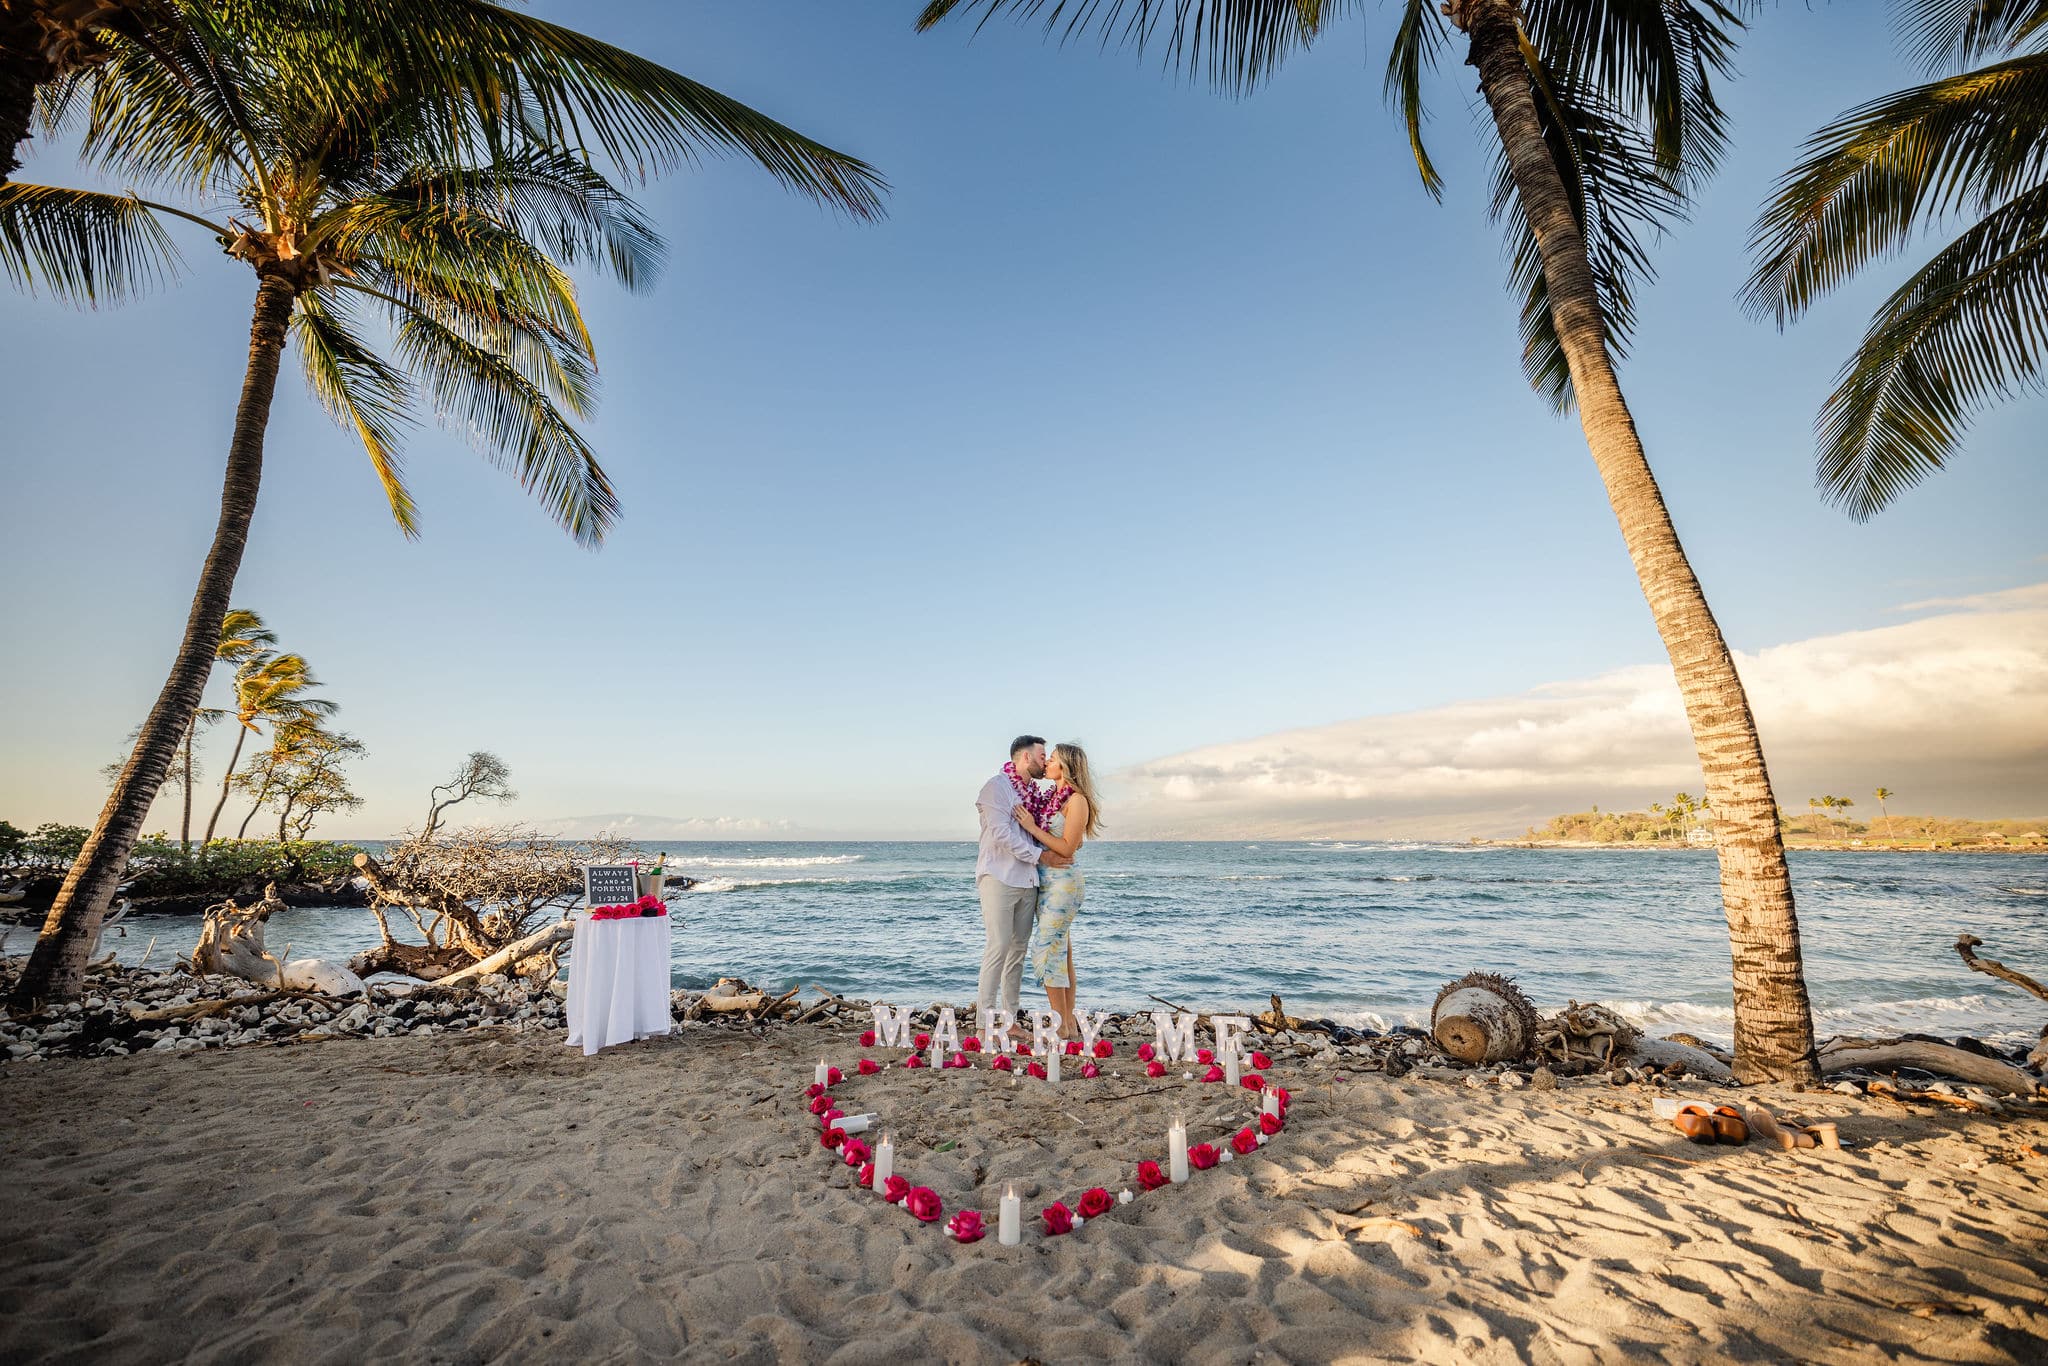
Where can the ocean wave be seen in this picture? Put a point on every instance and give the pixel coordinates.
(727, 884)
(1977, 1014)
(2023, 891)
(763, 861)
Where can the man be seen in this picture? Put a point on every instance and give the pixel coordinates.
(1006, 875)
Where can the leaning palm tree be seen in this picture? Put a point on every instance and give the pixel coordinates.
(1605, 121)
(343, 201)
(1970, 327)
(1883, 795)
(270, 690)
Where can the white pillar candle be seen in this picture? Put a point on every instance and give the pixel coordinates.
(934, 1056)
(1177, 1150)
(854, 1124)
(1269, 1104)
(1231, 1074)
(824, 1073)
(885, 1163)
(1010, 1219)
(1052, 1065)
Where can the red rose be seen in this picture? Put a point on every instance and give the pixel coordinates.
(867, 1175)
(1089, 1070)
(1281, 1093)
(1058, 1219)
(820, 1103)
(924, 1202)
(1202, 1156)
(833, 1076)
(1003, 1064)
(1096, 1203)
(894, 1189)
(832, 1138)
(825, 1120)
(1036, 1069)
(1205, 1056)
(966, 1226)
(922, 1041)
(1151, 1177)
(1252, 1081)
(1213, 1074)
(868, 1067)
(867, 1038)
(916, 1060)
(957, 1060)
(1145, 1052)
(972, 1045)
(1024, 1048)
(1269, 1125)
(1155, 1069)
(856, 1152)
(1245, 1141)
(1103, 1048)
(815, 1089)
(1260, 1060)
(1073, 1048)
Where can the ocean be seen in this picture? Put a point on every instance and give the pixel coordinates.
(1363, 933)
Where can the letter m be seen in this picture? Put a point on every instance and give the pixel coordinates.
(892, 1026)
(1174, 1036)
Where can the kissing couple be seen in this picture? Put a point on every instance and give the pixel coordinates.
(1035, 814)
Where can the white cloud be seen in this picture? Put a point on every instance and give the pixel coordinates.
(1950, 710)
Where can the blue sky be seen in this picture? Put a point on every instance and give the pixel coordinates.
(1148, 417)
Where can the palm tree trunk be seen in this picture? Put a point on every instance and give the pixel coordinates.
(1773, 1017)
(241, 734)
(185, 821)
(56, 969)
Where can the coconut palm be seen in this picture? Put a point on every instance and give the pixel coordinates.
(342, 199)
(1605, 120)
(1970, 327)
(271, 690)
(1883, 795)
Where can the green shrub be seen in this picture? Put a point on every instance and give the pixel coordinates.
(159, 868)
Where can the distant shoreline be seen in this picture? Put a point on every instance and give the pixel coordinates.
(1831, 846)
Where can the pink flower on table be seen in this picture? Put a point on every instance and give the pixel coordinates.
(1058, 1219)
(1270, 1124)
(966, 1226)
(867, 1175)
(820, 1103)
(972, 1045)
(1073, 1048)
(1089, 1071)
(856, 1152)
(1096, 1203)
(868, 1067)
(916, 1060)
(1104, 1048)
(1036, 1069)
(832, 1138)
(1252, 1081)
(1245, 1141)
(833, 1076)
(1150, 1177)
(1213, 1074)
(867, 1038)
(894, 1189)
(922, 1041)
(1260, 1060)
(1155, 1068)
(924, 1203)
(1205, 1056)
(1145, 1052)
(1203, 1156)
(1003, 1064)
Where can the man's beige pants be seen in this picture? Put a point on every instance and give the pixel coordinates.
(1006, 916)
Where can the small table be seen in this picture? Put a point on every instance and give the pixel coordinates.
(618, 981)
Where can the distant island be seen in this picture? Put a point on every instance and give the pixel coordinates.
(1687, 821)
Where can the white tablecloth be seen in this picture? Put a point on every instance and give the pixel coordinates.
(618, 981)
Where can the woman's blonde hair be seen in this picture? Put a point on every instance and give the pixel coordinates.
(1082, 781)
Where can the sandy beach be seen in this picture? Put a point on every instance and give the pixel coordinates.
(491, 1195)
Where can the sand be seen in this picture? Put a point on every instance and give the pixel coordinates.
(494, 1196)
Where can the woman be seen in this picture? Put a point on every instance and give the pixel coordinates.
(1076, 817)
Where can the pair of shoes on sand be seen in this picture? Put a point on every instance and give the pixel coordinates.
(1722, 1124)
(1727, 1124)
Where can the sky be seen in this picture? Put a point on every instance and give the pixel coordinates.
(1149, 418)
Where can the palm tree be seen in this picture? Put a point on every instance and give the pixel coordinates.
(1657, 810)
(1605, 121)
(269, 689)
(1970, 327)
(348, 209)
(1815, 804)
(1883, 795)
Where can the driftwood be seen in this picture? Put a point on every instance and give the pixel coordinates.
(1967, 942)
(727, 995)
(231, 941)
(817, 1008)
(1662, 1053)
(763, 1012)
(1857, 1054)
(508, 959)
(1484, 1018)
(121, 909)
(1580, 1035)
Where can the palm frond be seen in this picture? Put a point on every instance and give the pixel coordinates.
(1235, 44)
(1970, 327)
(1908, 158)
(154, 113)
(81, 246)
(1417, 41)
(1944, 33)
(361, 391)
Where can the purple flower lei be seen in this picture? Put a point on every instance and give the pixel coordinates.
(1043, 804)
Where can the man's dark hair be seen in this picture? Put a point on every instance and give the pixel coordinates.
(1025, 742)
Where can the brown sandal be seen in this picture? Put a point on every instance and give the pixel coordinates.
(1695, 1122)
(1729, 1126)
